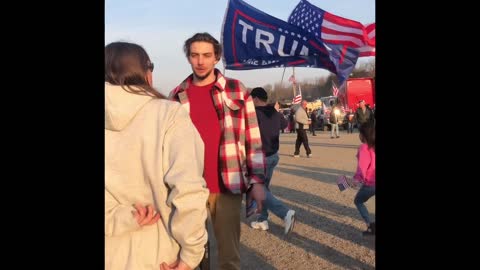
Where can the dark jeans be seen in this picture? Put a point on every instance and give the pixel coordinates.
(360, 124)
(271, 203)
(302, 138)
(365, 193)
(350, 127)
(312, 127)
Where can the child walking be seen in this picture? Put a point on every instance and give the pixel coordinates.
(365, 173)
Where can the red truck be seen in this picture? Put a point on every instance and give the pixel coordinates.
(358, 89)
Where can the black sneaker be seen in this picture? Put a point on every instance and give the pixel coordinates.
(370, 230)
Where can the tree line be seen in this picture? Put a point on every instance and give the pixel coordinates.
(318, 87)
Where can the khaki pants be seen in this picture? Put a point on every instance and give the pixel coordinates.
(225, 212)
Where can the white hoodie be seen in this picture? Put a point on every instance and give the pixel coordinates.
(301, 117)
(153, 155)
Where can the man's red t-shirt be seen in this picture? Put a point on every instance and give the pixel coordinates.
(205, 119)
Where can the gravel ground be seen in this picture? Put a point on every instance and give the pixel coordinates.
(327, 233)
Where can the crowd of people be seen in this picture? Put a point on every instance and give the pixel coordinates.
(175, 164)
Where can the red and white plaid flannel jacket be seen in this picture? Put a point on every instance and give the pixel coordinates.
(241, 159)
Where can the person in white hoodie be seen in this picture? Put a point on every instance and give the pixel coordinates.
(302, 125)
(155, 195)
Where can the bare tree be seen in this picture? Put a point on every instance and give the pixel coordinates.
(317, 87)
(366, 69)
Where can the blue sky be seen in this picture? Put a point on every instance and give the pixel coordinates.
(162, 27)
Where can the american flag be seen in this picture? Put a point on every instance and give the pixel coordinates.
(369, 48)
(298, 98)
(335, 89)
(292, 79)
(342, 182)
(333, 29)
(345, 182)
(367, 51)
(370, 31)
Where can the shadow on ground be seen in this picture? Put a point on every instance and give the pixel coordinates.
(255, 260)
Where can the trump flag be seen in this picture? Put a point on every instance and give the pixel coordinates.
(253, 39)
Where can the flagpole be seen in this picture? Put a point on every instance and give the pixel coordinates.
(294, 82)
(281, 82)
(333, 85)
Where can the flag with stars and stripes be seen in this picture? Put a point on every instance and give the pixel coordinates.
(333, 29)
(298, 98)
(334, 89)
(344, 182)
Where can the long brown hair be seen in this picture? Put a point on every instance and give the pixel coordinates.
(127, 64)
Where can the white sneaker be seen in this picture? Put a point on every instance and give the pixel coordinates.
(260, 225)
(289, 221)
(309, 155)
(296, 156)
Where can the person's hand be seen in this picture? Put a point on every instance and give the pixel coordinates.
(145, 215)
(277, 106)
(357, 184)
(178, 265)
(354, 183)
(257, 193)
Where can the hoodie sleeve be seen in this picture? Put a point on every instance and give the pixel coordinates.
(364, 160)
(118, 217)
(183, 159)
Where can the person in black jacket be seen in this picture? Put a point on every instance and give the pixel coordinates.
(270, 121)
(291, 121)
(313, 125)
(363, 114)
